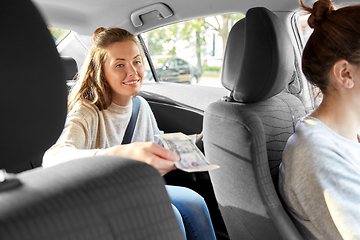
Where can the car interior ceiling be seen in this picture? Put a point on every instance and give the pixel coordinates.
(85, 13)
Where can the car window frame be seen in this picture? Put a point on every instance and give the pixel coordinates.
(148, 58)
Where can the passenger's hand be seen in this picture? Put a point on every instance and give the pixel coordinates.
(151, 153)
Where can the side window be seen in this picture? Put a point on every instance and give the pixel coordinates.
(58, 34)
(182, 64)
(197, 44)
(73, 45)
(172, 64)
(306, 31)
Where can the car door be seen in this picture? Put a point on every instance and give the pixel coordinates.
(170, 71)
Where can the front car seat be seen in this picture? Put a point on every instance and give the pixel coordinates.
(34, 91)
(246, 132)
(92, 198)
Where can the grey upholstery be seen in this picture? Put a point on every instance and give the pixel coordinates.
(70, 67)
(85, 200)
(246, 132)
(34, 92)
(91, 198)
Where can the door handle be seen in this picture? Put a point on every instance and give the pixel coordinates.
(164, 12)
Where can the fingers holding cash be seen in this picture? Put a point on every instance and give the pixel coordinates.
(179, 152)
(191, 158)
(162, 159)
(149, 152)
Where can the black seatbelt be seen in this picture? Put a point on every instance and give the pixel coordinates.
(131, 126)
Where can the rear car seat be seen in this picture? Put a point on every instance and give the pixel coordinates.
(70, 69)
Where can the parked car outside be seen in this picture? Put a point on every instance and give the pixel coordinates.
(173, 69)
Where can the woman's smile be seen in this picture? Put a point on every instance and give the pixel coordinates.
(132, 83)
(123, 71)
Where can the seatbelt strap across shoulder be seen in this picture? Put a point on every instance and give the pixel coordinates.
(131, 126)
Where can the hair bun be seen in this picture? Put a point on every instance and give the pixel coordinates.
(319, 12)
(97, 32)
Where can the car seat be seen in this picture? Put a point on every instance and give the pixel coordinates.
(71, 70)
(92, 198)
(34, 92)
(246, 131)
(70, 67)
(88, 199)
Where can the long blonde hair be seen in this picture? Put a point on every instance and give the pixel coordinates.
(90, 83)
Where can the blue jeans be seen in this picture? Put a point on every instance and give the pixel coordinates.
(192, 213)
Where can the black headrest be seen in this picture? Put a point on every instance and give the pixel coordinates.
(33, 100)
(259, 57)
(70, 67)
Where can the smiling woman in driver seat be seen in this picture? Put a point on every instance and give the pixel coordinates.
(99, 110)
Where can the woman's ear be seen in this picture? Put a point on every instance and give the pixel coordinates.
(343, 72)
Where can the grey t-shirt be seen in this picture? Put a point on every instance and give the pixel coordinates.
(319, 182)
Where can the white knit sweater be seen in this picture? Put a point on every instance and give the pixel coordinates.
(87, 129)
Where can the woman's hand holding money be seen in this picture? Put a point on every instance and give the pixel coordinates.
(151, 153)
